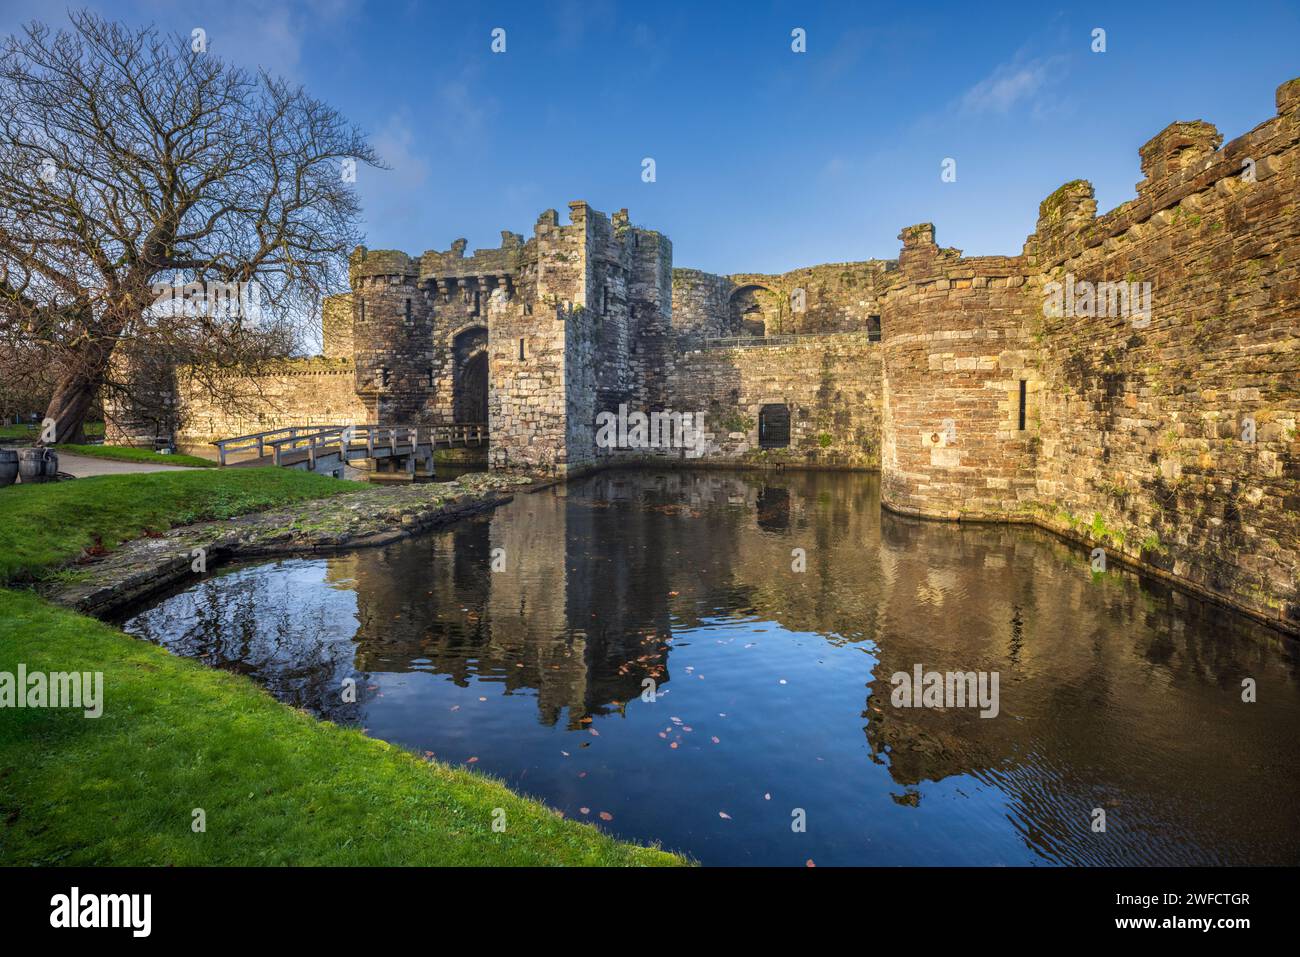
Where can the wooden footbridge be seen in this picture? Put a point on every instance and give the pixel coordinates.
(392, 449)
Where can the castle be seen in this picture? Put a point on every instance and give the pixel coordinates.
(1166, 435)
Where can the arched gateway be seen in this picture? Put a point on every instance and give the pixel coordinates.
(470, 375)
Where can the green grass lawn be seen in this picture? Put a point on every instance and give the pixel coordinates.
(276, 785)
(21, 433)
(127, 453)
(47, 525)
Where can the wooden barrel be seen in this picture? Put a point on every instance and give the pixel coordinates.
(38, 465)
(8, 467)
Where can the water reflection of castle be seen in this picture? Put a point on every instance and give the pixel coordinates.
(1115, 693)
(600, 574)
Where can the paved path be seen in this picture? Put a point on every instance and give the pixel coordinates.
(84, 466)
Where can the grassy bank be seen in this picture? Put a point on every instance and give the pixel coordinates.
(45, 526)
(128, 453)
(276, 785)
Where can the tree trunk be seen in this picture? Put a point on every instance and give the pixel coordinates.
(72, 399)
(80, 379)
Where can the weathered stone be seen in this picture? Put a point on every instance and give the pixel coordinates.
(1167, 435)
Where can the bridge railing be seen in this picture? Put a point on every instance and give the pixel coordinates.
(313, 442)
(372, 437)
(260, 440)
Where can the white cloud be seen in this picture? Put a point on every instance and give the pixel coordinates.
(1011, 84)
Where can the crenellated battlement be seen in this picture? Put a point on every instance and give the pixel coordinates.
(1182, 166)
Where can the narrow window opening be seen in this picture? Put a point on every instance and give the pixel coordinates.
(604, 301)
(428, 377)
(475, 309)
(383, 376)
(361, 305)
(408, 310)
(873, 328)
(1023, 389)
(521, 350)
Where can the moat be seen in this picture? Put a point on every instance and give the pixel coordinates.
(772, 684)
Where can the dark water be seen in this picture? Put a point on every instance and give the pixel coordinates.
(774, 685)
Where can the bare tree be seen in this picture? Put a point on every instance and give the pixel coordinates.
(131, 161)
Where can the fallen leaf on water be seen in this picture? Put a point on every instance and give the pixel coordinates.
(782, 681)
(484, 699)
(673, 744)
(715, 740)
(594, 731)
(585, 810)
(471, 760)
(724, 815)
(662, 735)
(767, 796)
(582, 774)
(809, 863)
(565, 753)
(606, 816)
(455, 707)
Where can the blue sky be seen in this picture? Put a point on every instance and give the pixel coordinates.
(766, 159)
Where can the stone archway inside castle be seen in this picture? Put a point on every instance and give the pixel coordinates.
(755, 311)
(470, 378)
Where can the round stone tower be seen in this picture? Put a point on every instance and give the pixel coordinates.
(959, 411)
(392, 337)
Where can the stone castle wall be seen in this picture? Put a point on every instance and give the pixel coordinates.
(702, 304)
(336, 326)
(293, 392)
(945, 372)
(1133, 428)
(1143, 423)
(836, 297)
(831, 386)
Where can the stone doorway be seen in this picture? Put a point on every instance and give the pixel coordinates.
(470, 375)
(471, 389)
(774, 426)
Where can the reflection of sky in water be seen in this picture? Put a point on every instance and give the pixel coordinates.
(1115, 693)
